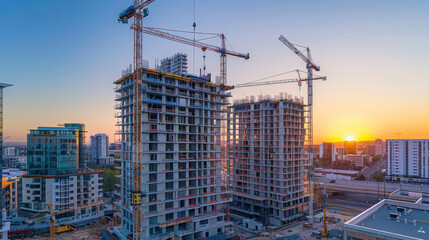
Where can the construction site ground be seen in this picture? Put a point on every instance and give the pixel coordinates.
(83, 233)
(296, 231)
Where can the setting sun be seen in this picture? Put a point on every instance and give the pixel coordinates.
(350, 138)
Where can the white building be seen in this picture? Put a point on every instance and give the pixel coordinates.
(71, 191)
(408, 159)
(358, 160)
(176, 64)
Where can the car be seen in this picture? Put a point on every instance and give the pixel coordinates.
(332, 181)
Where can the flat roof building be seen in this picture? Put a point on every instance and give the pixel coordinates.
(56, 175)
(267, 150)
(408, 159)
(390, 220)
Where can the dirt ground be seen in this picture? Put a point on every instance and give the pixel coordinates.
(82, 233)
(305, 233)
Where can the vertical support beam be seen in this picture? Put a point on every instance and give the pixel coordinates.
(137, 119)
(310, 134)
(223, 64)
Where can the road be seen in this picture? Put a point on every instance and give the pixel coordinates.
(374, 188)
(378, 166)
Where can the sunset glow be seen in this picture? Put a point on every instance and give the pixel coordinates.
(350, 138)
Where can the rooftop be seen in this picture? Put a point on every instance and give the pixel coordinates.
(3, 85)
(393, 219)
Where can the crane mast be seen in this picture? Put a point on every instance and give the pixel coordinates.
(310, 67)
(138, 11)
(137, 99)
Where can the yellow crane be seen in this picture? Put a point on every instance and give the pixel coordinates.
(138, 11)
(53, 229)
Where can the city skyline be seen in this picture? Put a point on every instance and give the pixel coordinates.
(374, 82)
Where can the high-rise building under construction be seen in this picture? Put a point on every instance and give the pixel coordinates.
(177, 64)
(181, 156)
(267, 150)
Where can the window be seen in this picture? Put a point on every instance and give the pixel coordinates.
(169, 176)
(153, 167)
(152, 197)
(153, 208)
(169, 216)
(169, 185)
(153, 187)
(169, 205)
(168, 196)
(152, 177)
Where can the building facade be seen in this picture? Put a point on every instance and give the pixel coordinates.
(181, 156)
(176, 64)
(54, 174)
(408, 159)
(267, 150)
(3, 228)
(350, 147)
(327, 151)
(10, 185)
(99, 150)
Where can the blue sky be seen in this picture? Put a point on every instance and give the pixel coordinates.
(63, 56)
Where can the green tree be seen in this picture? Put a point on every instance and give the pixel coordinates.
(109, 177)
(361, 178)
(377, 177)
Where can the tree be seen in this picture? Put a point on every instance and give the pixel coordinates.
(361, 178)
(109, 178)
(378, 177)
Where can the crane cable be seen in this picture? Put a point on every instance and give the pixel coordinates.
(193, 60)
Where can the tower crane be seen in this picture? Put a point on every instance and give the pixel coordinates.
(204, 46)
(138, 11)
(310, 67)
(281, 81)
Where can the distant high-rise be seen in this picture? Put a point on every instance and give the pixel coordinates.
(408, 159)
(327, 151)
(176, 64)
(99, 150)
(350, 147)
(55, 174)
(3, 230)
(267, 150)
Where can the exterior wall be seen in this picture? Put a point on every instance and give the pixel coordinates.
(177, 64)
(99, 149)
(328, 151)
(267, 150)
(10, 194)
(52, 151)
(408, 158)
(65, 191)
(2, 85)
(181, 157)
(349, 147)
(56, 174)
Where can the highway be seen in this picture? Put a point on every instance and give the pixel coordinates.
(369, 187)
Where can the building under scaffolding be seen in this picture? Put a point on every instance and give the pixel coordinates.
(181, 156)
(267, 151)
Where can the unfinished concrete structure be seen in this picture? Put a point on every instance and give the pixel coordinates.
(176, 64)
(181, 156)
(267, 150)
